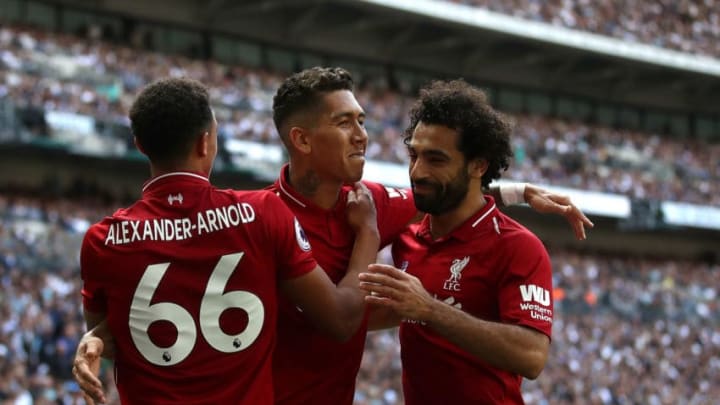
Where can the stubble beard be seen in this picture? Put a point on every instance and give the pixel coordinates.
(445, 197)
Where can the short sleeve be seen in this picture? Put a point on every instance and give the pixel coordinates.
(293, 250)
(525, 292)
(395, 208)
(92, 290)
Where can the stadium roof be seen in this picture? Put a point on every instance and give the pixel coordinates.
(483, 47)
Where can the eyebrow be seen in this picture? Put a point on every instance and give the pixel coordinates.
(430, 152)
(346, 114)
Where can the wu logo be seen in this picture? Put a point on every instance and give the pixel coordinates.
(172, 198)
(453, 282)
(535, 293)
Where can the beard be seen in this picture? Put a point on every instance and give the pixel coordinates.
(444, 197)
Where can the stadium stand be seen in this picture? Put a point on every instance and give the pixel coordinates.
(637, 318)
(688, 26)
(76, 90)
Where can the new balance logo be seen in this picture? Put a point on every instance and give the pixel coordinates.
(173, 198)
(451, 301)
(535, 293)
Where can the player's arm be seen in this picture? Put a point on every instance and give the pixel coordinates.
(539, 199)
(514, 348)
(509, 347)
(86, 365)
(98, 329)
(339, 309)
(97, 342)
(383, 318)
(93, 296)
(542, 201)
(92, 319)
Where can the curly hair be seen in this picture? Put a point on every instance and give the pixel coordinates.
(302, 92)
(483, 132)
(167, 117)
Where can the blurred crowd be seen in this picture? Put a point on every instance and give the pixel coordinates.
(689, 25)
(40, 313)
(78, 90)
(626, 331)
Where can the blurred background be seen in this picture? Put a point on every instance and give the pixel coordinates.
(616, 103)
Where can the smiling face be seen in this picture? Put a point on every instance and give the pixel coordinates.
(338, 138)
(438, 170)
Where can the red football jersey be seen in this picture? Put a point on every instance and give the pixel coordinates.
(490, 267)
(309, 367)
(188, 279)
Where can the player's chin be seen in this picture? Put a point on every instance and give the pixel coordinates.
(354, 172)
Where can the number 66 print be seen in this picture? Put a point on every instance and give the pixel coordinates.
(213, 304)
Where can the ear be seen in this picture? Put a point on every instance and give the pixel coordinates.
(202, 145)
(477, 168)
(300, 140)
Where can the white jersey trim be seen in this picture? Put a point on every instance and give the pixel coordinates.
(290, 196)
(484, 215)
(173, 174)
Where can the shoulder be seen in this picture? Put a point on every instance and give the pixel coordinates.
(120, 214)
(382, 190)
(273, 188)
(259, 197)
(97, 234)
(96, 230)
(395, 203)
(517, 238)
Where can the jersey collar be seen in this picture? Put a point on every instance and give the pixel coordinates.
(482, 221)
(172, 178)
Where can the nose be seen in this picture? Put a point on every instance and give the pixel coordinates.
(417, 170)
(360, 135)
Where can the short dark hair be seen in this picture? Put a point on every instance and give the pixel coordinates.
(167, 117)
(483, 132)
(302, 92)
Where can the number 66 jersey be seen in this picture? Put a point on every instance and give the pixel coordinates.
(187, 278)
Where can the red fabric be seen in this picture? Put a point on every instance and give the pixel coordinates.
(490, 267)
(256, 236)
(310, 368)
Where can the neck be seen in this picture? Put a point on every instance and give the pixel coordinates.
(443, 224)
(310, 185)
(158, 170)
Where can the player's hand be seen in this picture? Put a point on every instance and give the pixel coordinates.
(400, 291)
(361, 212)
(546, 202)
(86, 368)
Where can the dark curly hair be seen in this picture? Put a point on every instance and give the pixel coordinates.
(301, 93)
(167, 117)
(484, 132)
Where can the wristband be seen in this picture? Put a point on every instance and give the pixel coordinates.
(513, 193)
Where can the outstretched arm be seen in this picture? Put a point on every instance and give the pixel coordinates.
(544, 202)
